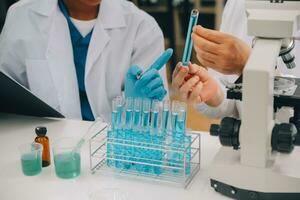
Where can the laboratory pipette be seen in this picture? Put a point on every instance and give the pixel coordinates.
(86, 136)
(189, 43)
(159, 63)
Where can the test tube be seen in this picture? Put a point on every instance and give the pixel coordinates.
(146, 114)
(137, 113)
(128, 150)
(165, 115)
(155, 116)
(188, 42)
(174, 115)
(120, 107)
(181, 120)
(114, 121)
(129, 113)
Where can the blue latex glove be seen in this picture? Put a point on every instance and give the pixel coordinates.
(148, 84)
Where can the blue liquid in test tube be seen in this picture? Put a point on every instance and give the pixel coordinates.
(189, 43)
(181, 120)
(146, 117)
(174, 115)
(155, 116)
(146, 114)
(137, 114)
(119, 135)
(128, 132)
(136, 130)
(129, 113)
(165, 116)
(114, 114)
(119, 115)
(128, 118)
(155, 139)
(145, 134)
(114, 120)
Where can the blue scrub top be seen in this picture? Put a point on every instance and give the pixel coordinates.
(80, 49)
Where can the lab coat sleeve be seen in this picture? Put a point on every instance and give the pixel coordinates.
(11, 61)
(148, 46)
(228, 108)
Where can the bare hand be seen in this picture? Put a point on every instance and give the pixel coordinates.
(195, 85)
(223, 52)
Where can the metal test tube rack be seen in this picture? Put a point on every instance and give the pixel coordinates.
(185, 168)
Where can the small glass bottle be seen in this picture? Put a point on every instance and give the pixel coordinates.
(43, 140)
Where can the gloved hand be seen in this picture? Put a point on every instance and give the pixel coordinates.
(149, 86)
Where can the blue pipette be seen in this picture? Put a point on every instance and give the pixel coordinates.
(189, 43)
(160, 62)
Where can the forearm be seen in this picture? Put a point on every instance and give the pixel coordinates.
(228, 108)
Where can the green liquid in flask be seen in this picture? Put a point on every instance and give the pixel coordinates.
(31, 164)
(67, 165)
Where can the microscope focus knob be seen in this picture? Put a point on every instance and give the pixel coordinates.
(214, 130)
(283, 137)
(228, 132)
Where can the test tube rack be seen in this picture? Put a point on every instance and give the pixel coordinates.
(152, 158)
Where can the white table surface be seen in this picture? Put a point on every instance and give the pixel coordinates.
(15, 130)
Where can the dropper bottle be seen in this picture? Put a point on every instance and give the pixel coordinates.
(43, 140)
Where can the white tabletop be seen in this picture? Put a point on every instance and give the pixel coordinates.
(15, 186)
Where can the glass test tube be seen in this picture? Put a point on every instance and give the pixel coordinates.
(146, 114)
(119, 109)
(189, 43)
(114, 121)
(137, 113)
(129, 113)
(181, 119)
(174, 115)
(165, 115)
(155, 115)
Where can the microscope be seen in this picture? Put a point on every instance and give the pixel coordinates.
(258, 160)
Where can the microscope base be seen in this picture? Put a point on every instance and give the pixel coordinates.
(241, 194)
(280, 179)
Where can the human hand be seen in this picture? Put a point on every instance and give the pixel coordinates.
(222, 52)
(195, 85)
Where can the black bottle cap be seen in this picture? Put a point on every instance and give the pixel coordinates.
(41, 131)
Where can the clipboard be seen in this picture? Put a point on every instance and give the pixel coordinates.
(16, 99)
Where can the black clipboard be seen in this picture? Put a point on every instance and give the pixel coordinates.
(16, 99)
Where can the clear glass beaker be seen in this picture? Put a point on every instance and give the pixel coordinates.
(31, 158)
(66, 158)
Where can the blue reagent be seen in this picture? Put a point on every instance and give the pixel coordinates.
(189, 43)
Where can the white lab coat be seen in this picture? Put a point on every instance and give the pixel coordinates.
(36, 50)
(234, 22)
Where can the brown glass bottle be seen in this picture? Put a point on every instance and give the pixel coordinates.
(43, 140)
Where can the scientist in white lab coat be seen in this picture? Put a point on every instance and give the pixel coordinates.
(75, 55)
(225, 54)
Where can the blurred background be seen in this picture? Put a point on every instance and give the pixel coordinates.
(173, 17)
